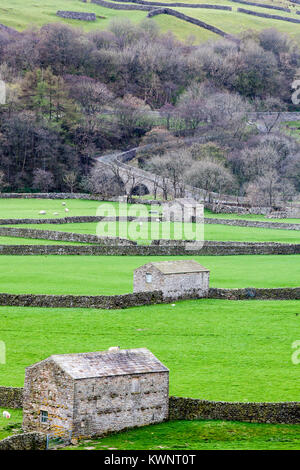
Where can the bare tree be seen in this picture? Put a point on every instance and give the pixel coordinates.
(105, 179)
(269, 111)
(211, 176)
(43, 180)
(268, 190)
(71, 180)
(2, 180)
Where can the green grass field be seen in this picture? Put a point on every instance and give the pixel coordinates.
(254, 217)
(156, 230)
(30, 208)
(100, 275)
(184, 435)
(8, 427)
(201, 435)
(215, 349)
(36, 13)
(11, 208)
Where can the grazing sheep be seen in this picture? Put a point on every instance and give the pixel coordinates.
(114, 349)
(66, 209)
(43, 212)
(63, 203)
(55, 213)
(6, 414)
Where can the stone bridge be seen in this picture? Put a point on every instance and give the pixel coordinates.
(141, 182)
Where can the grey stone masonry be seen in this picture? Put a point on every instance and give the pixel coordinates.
(11, 397)
(24, 441)
(157, 248)
(262, 5)
(176, 279)
(113, 302)
(82, 301)
(62, 236)
(265, 15)
(189, 19)
(91, 394)
(189, 409)
(253, 223)
(77, 15)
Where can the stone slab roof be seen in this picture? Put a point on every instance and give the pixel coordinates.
(179, 267)
(183, 201)
(109, 363)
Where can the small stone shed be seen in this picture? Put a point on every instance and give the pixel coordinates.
(183, 210)
(90, 394)
(180, 278)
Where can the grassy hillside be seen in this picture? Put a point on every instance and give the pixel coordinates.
(202, 435)
(21, 14)
(211, 347)
(94, 275)
(164, 230)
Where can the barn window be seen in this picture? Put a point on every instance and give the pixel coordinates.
(44, 416)
(135, 386)
(148, 277)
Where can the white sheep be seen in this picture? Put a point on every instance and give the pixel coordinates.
(66, 209)
(42, 212)
(55, 213)
(6, 414)
(63, 203)
(114, 349)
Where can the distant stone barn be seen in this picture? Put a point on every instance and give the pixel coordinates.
(180, 278)
(183, 210)
(90, 394)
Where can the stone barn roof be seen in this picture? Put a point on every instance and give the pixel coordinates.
(179, 267)
(183, 201)
(108, 363)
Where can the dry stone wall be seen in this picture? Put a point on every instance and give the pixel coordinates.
(11, 397)
(253, 223)
(155, 249)
(179, 4)
(80, 301)
(142, 298)
(25, 441)
(76, 15)
(265, 15)
(62, 236)
(121, 6)
(189, 19)
(252, 293)
(262, 5)
(75, 219)
(192, 409)
(89, 197)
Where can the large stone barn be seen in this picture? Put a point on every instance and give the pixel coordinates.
(180, 278)
(90, 394)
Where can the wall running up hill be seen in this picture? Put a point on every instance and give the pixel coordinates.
(265, 15)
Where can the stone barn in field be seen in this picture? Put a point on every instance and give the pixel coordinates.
(90, 394)
(180, 278)
(183, 210)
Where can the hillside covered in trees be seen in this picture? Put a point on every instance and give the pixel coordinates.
(74, 95)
